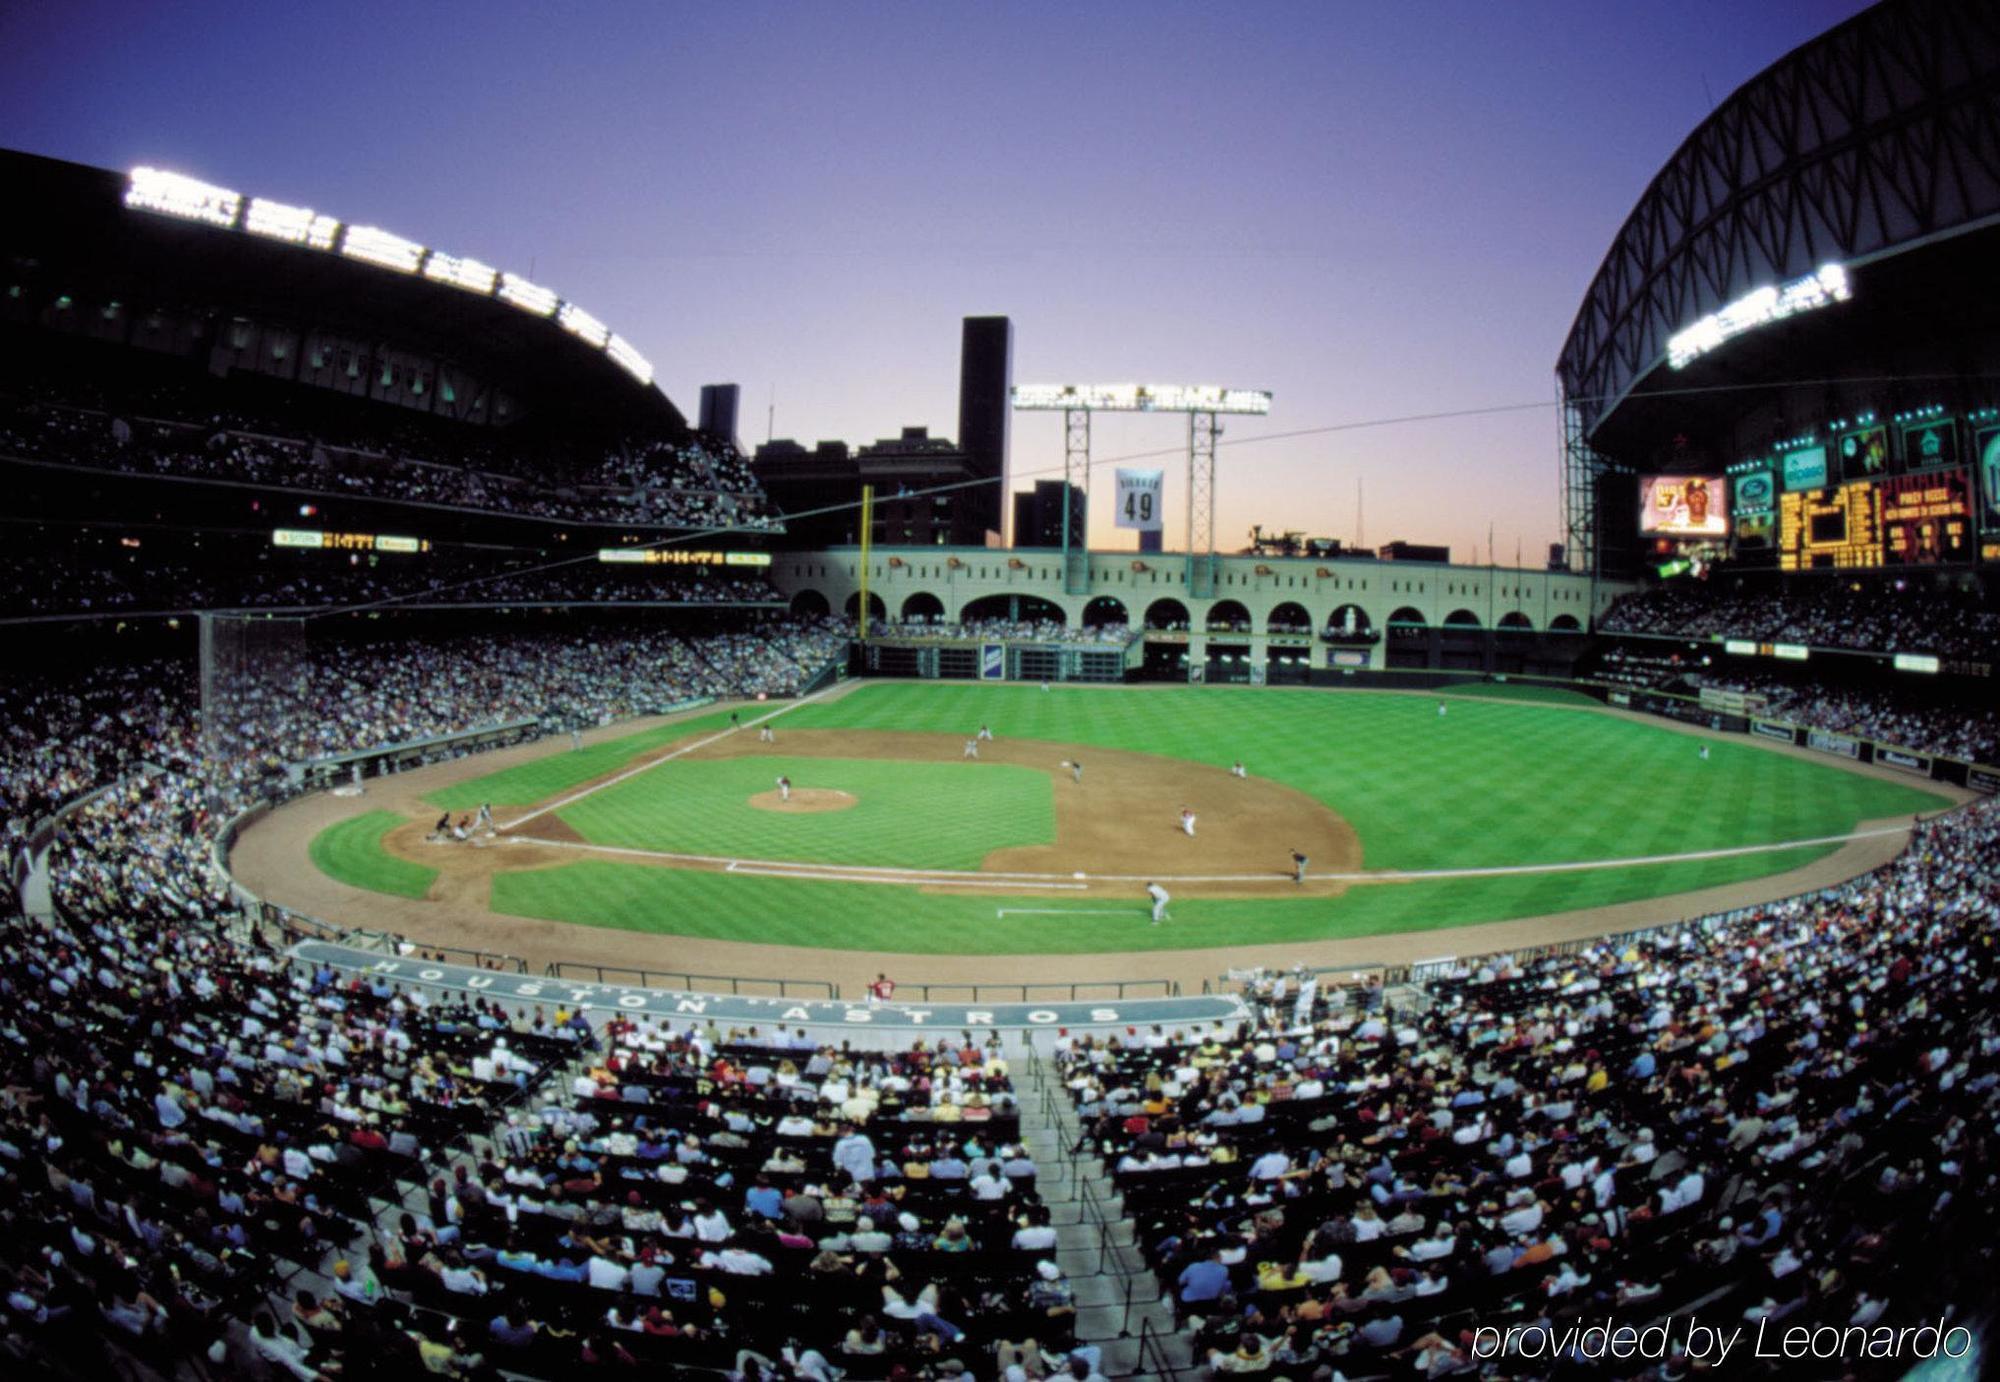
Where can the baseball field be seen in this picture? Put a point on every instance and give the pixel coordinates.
(1513, 802)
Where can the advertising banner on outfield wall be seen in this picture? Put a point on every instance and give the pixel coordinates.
(1908, 762)
(1771, 729)
(1979, 780)
(1827, 742)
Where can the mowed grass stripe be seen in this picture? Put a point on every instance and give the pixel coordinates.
(351, 852)
(846, 916)
(562, 768)
(906, 815)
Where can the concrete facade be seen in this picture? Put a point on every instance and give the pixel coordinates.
(1270, 593)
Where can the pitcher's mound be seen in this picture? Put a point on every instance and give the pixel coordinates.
(805, 800)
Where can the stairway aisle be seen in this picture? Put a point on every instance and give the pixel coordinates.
(1115, 1289)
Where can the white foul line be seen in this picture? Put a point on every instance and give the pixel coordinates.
(574, 797)
(979, 878)
(1067, 911)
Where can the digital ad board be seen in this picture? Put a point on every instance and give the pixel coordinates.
(1683, 506)
(1864, 453)
(1930, 445)
(1804, 469)
(1927, 518)
(1987, 451)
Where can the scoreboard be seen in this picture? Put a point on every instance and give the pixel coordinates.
(1927, 519)
(1904, 520)
(1839, 526)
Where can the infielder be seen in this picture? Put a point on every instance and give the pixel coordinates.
(972, 748)
(1298, 867)
(985, 733)
(1237, 771)
(784, 789)
(1187, 822)
(764, 735)
(1075, 771)
(1160, 900)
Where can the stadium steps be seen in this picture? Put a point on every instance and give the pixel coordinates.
(1117, 1294)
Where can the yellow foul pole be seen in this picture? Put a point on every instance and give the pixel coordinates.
(867, 533)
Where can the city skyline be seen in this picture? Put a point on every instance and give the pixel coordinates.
(1376, 215)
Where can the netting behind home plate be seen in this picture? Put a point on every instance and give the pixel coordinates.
(253, 671)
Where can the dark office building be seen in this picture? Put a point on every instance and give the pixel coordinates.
(819, 491)
(922, 494)
(1413, 551)
(718, 410)
(985, 374)
(1038, 515)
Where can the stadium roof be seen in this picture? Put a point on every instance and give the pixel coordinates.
(72, 223)
(1876, 138)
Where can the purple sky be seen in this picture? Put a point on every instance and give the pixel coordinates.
(1373, 210)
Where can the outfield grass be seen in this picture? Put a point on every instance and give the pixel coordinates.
(851, 916)
(1520, 691)
(563, 768)
(1497, 781)
(906, 815)
(351, 852)
(1491, 783)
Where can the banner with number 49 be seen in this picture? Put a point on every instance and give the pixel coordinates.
(1139, 499)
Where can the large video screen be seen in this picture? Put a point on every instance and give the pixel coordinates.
(1683, 506)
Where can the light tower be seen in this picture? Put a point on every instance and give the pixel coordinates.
(1202, 404)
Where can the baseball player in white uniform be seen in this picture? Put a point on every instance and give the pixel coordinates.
(1237, 770)
(1187, 822)
(1160, 900)
(764, 735)
(985, 733)
(784, 789)
(972, 748)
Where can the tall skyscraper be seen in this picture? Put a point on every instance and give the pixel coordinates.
(985, 374)
(718, 409)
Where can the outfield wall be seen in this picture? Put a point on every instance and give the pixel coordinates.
(1468, 618)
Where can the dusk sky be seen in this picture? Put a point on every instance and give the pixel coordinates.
(1373, 210)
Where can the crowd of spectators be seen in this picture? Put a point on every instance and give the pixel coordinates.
(42, 584)
(1879, 614)
(1890, 715)
(1784, 1114)
(1968, 733)
(656, 483)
